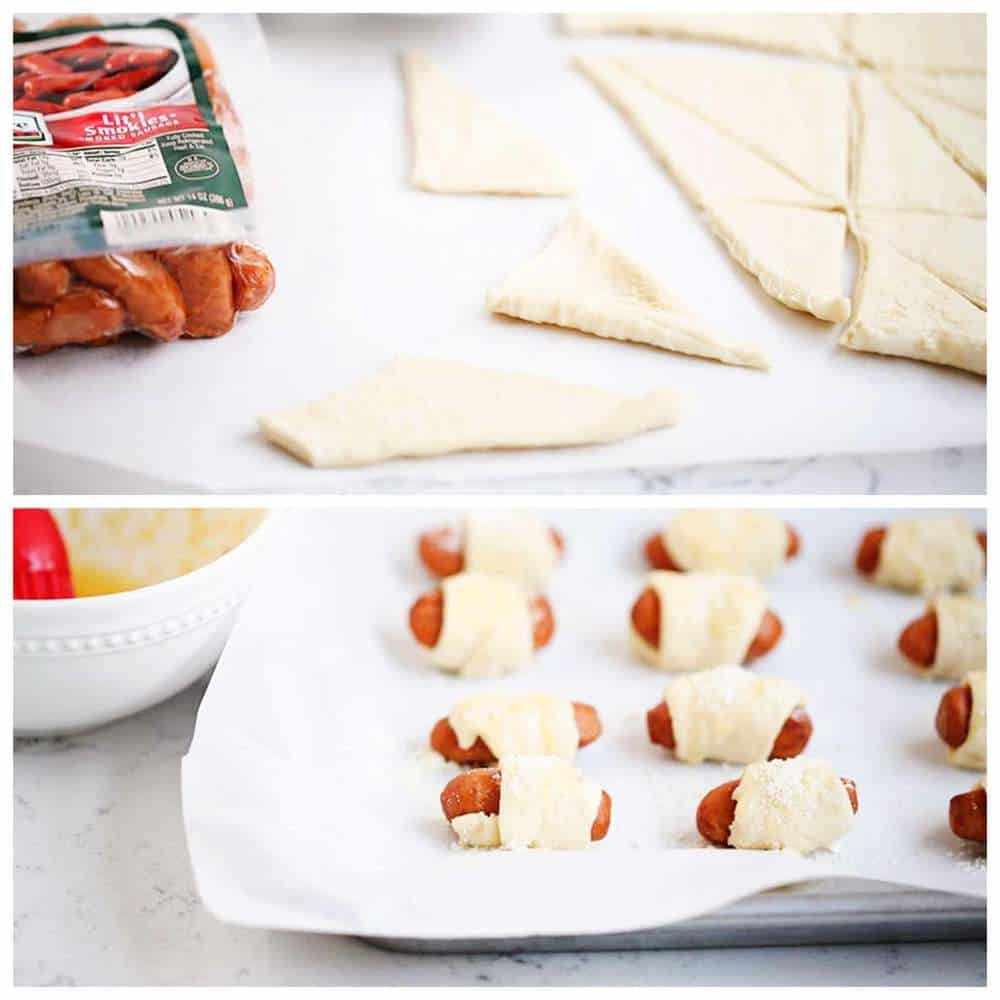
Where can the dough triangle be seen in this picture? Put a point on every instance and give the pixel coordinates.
(414, 407)
(772, 107)
(462, 146)
(581, 281)
(933, 43)
(951, 247)
(961, 133)
(706, 164)
(797, 254)
(896, 163)
(902, 309)
(965, 92)
(810, 34)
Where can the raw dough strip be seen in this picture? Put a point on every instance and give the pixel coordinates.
(901, 309)
(897, 165)
(799, 804)
(951, 247)
(729, 714)
(809, 34)
(583, 282)
(972, 753)
(961, 636)
(462, 146)
(415, 407)
(962, 134)
(706, 619)
(932, 43)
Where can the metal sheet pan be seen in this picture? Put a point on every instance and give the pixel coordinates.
(835, 911)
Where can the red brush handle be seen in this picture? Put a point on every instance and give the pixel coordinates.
(41, 566)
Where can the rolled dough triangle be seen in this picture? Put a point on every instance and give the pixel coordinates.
(797, 254)
(462, 146)
(961, 133)
(898, 165)
(902, 309)
(810, 34)
(581, 281)
(934, 43)
(966, 92)
(707, 165)
(414, 407)
(770, 106)
(951, 247)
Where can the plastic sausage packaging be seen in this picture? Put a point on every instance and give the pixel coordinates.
(131, 188)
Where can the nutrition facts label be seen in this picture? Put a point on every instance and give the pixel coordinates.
(41, 172)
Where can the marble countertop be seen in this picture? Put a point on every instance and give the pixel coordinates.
(103, 895)
(947, 470)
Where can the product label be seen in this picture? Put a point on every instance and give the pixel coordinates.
(117, 143)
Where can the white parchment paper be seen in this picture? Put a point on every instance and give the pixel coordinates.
(369, 268)
(311, 801)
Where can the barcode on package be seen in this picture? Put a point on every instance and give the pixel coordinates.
(166, 223)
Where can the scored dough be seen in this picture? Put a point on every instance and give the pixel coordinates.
(928, 555)
(461, 145)
(517, 546)
(961, 133)
(729, 714)
(487, 627)
(951, 247)
(799, 804)
(797, 254)
(932, 43)
(730, 541)
(972, 753)
(810, 34)
(706, 164)
(902, 309)
(961, 636)
(770, 106)
(966, 92)
(517, 723)
(897, 164)
(581, 281)
(706, 619)
(416, 407)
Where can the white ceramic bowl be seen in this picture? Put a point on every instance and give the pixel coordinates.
(82, 662)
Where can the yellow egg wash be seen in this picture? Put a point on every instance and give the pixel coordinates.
(111, 551)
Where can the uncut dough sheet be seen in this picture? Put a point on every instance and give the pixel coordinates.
(368, 268)
(311, 802)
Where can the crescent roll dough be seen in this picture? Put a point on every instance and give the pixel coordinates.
(517, 723)
(929, 555)
(972, 753)
(729, 714)
(799, 805)
(731, 541)
(545, 802)
(706, 619)
(487, 628)
(961, 636)
(516, 546)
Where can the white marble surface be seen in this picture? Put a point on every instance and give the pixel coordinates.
(103, 895)
(948, 470)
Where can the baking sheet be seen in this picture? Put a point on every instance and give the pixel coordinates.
(311, 802)
(369, 269)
